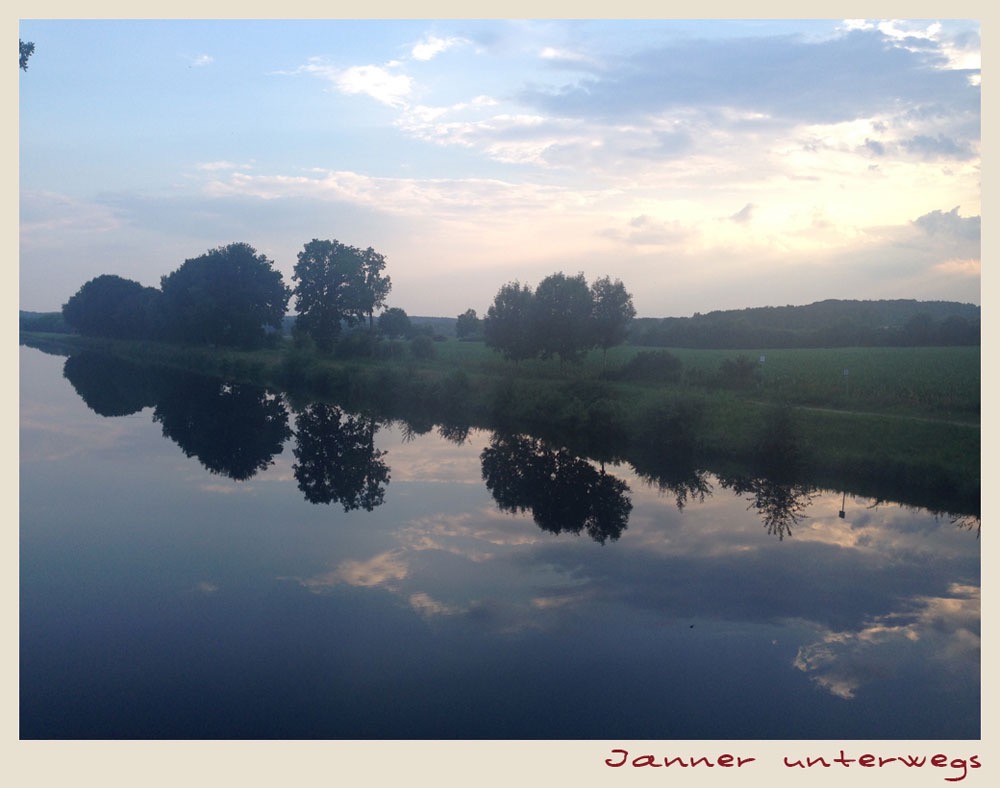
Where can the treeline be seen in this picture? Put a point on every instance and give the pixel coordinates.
(233, 296)
(831, 323)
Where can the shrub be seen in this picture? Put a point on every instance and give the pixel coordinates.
(738, 373)
(652, 366)
(422, 347)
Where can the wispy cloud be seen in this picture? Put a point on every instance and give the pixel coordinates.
(432, 46)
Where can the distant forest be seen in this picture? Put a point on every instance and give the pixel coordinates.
(832, 323)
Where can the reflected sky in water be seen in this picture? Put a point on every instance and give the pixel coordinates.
(159, 599)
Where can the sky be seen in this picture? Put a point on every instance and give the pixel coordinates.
(712, 164)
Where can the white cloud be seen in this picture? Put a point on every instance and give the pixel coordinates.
(202, 60)
(432, 46)
(377, 82)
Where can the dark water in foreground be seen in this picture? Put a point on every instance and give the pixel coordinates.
(218, 565)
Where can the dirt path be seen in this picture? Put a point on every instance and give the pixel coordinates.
(926, 419)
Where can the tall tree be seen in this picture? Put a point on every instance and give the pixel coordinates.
(336, 284)
(374, 287)
(227, 296)
(612, 312)
(507, 328)
(562, 316)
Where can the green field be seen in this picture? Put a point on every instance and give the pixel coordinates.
(933, 382)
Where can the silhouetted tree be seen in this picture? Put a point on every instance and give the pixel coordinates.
(780, 505)
(562, 492)
(774, 487)
(336, 284)
(25, 50)
(109, 386)
(394, 323)
(562, 315)
(612, 312)
(233, 429)
(508, 326)
(227, 296)
(468, 324)
(374, 286)
(110, 306)
(336, 458)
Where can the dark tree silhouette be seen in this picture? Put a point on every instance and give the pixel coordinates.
(774, 488)
(227, 296)
(612, 312)
(233, 429)
(562, 492)
(25, 50)
(110, 306)
(562, 314)
(336, 458)
(780, 505)
(507, 328)
(394, 323)
(336, 284)
(112, 387)
(468, 325)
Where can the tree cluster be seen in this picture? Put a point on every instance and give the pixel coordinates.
(562, 317)
(337, 285)
(234, 296)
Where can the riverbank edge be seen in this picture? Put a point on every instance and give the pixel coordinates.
(662, 431)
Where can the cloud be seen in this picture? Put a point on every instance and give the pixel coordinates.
(427, 606)
(384, 569)
(568, 59)
(875, 147)
(202, 60)
(214, 166)
(939, 147)
(377, 82)
(950, 226)
(432, 46)
(944, 629)
(744, 214)
(850, 76)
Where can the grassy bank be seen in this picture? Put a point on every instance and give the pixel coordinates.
(902, 419)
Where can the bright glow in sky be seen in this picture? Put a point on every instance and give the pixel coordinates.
(707, 164)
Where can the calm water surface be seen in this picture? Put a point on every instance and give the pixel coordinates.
(210, 563)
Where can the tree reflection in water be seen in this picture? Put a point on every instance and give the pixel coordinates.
(233, 429)
(562, 492)
(780, 505)
(111, 387)
(774, 489)
(336, 458)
